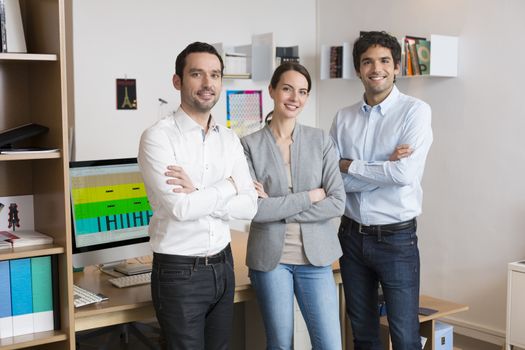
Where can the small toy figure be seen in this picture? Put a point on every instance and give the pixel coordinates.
(13, 220)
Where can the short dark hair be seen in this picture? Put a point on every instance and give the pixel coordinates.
(195, 47)
(285, 67)
(279, 71)
(373, 38)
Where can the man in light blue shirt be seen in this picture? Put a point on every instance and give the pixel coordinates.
(383, 142)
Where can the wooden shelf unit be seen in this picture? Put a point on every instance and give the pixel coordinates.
(34, 89)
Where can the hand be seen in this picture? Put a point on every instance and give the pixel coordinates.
(316, 195)
(260, 190)
(180, 179)
(344, 164)
(401, 151)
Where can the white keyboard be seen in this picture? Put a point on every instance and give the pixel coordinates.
(85, 297)
(130, 281)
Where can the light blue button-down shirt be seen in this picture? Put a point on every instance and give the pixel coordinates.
(379, 191)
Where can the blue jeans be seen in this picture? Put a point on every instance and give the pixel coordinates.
(194, 300)
(393, 261)
(315, 290)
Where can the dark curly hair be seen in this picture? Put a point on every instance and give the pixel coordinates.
(373, 38)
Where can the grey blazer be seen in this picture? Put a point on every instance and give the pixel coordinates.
(314, 164)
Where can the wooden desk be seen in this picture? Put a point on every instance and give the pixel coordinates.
(134, 303)
(427, 323)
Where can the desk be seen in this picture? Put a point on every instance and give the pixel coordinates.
(427, 323)
(134, 303)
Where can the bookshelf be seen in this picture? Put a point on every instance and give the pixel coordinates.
(443, 59)
(260, 58)
(34, 89)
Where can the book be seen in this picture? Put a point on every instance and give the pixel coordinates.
(286, 54)
(408, 64)
(42, 291)
(14, 29)
(336, 62)
(25, 238)
(413, 56)
(412, 42)
(3, 38)
(21, 296)
(56, 291)
(423, 55)
(6, 315)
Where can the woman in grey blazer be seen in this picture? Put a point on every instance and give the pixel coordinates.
(293, 239)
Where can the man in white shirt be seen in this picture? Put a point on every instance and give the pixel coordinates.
(192, 281)
(383, 142)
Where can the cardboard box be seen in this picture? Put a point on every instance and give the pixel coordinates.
(443, 336)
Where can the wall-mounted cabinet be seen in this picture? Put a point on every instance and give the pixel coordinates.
(256, 60)
(337, 62)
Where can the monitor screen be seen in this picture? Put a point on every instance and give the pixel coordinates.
(110, 211)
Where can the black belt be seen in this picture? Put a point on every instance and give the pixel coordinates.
(218, 258)
(383, 230)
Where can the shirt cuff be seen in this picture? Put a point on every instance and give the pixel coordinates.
(225, 189)
(356, 167)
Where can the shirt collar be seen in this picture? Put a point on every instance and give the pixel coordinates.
(186, 123)
(384, 106)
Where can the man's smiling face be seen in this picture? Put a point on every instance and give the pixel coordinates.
(377, 71)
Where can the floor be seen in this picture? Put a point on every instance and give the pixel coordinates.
(113, 342)
(466, 343)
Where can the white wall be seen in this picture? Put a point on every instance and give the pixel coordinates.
(140, 40)
(474, 205)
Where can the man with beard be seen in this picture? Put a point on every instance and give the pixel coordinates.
(192, 281)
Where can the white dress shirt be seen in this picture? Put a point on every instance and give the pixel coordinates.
(380, 191)
(194, 224)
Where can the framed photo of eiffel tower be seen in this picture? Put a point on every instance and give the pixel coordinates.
(126, 94)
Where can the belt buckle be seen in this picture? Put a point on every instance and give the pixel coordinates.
(206, 260)
(360, 230)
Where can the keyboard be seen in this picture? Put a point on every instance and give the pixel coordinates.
(130, 281)
(85, 297)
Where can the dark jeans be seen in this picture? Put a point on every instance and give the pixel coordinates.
(194, 301)
(391, 259)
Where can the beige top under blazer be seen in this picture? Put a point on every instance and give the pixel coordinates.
(314, 164)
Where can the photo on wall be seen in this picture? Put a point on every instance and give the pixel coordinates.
(244, 111)
(126, 94)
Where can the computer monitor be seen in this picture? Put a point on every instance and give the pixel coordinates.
(110, 211)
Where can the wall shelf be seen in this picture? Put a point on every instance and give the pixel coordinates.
(260, 58)
(443, 59)
(27, 57)
(30, 156)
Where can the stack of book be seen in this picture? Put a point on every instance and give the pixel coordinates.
(235, 63)
(416, 56)
(29, 296)
(24, 238)
(11, 29)
(286, 54)
(336, 62)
